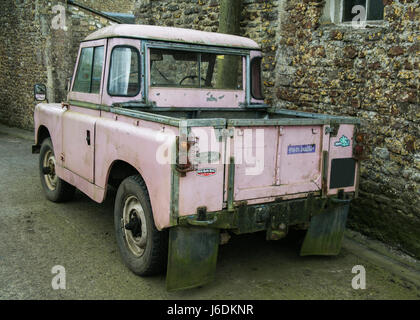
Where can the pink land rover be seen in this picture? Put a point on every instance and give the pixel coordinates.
(175, 121)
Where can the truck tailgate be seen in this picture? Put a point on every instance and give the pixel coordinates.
(272, 161)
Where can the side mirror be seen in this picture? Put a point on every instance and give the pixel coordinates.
(40, 92)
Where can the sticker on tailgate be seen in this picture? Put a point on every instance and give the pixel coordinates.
(304, 148)
(206, 172)
(342, 142)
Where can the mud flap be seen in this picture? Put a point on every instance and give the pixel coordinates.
(326, 230)
(192, 257)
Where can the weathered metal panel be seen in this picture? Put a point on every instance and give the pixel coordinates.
(78, 152)
(203, 190)
(330, 118)
(138, 143)
(297, 165)
(341, 146)
(199, 98)
(287, 162)
(49, 115)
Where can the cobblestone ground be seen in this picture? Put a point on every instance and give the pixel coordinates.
(36, 235)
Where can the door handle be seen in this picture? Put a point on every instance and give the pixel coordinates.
(88, 137)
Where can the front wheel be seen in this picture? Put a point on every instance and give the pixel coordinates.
(143, 248)
(56, 189)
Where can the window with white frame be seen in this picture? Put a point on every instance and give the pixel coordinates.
(344, 11)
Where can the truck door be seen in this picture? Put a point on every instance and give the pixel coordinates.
(79, 120)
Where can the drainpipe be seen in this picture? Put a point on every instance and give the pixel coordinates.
(99, 13)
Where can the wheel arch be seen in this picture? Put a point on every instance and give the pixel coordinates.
(42, 134)
(120, 170)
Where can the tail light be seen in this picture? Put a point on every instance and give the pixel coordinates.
(358, 151)
(359, 145)
(185, 147)
(360, 137)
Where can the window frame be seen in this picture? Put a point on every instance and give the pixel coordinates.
(199, 62)
(334, 13)
(153, 94)
(91, 69)
(138, 67)
(368, 3)
(83, 96)
(260, 79)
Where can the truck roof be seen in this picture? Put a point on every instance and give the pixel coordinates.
(172, 34)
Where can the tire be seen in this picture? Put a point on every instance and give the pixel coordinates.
(143, 248)
(55, 189)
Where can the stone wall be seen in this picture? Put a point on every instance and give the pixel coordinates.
(122, 6)
(312, 65)
(33, 51)
(372, 74)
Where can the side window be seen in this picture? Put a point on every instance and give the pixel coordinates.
(256, 89)
(374, 9)
(89, 71)
(98, 61)
(124, 74)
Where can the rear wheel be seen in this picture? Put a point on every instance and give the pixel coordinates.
(56, 189)
(142, 247)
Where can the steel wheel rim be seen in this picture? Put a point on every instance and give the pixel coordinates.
(133, 208)
(51, 178)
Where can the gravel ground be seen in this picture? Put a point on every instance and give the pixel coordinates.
(36, 235)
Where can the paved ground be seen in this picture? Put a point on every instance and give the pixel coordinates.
(36, 234)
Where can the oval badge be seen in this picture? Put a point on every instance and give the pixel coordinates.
(206, 172)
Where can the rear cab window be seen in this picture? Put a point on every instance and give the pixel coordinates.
(208, 77)
(185, 69)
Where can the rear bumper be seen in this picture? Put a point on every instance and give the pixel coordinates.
(193, 244)
(272, 216)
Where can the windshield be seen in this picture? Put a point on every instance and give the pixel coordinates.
(186, 69)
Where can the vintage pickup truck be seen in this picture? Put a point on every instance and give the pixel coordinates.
(175, 121)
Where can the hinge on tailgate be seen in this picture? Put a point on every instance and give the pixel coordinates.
(332, 130)
(324, 173)
(231, 181)
(223, 133)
